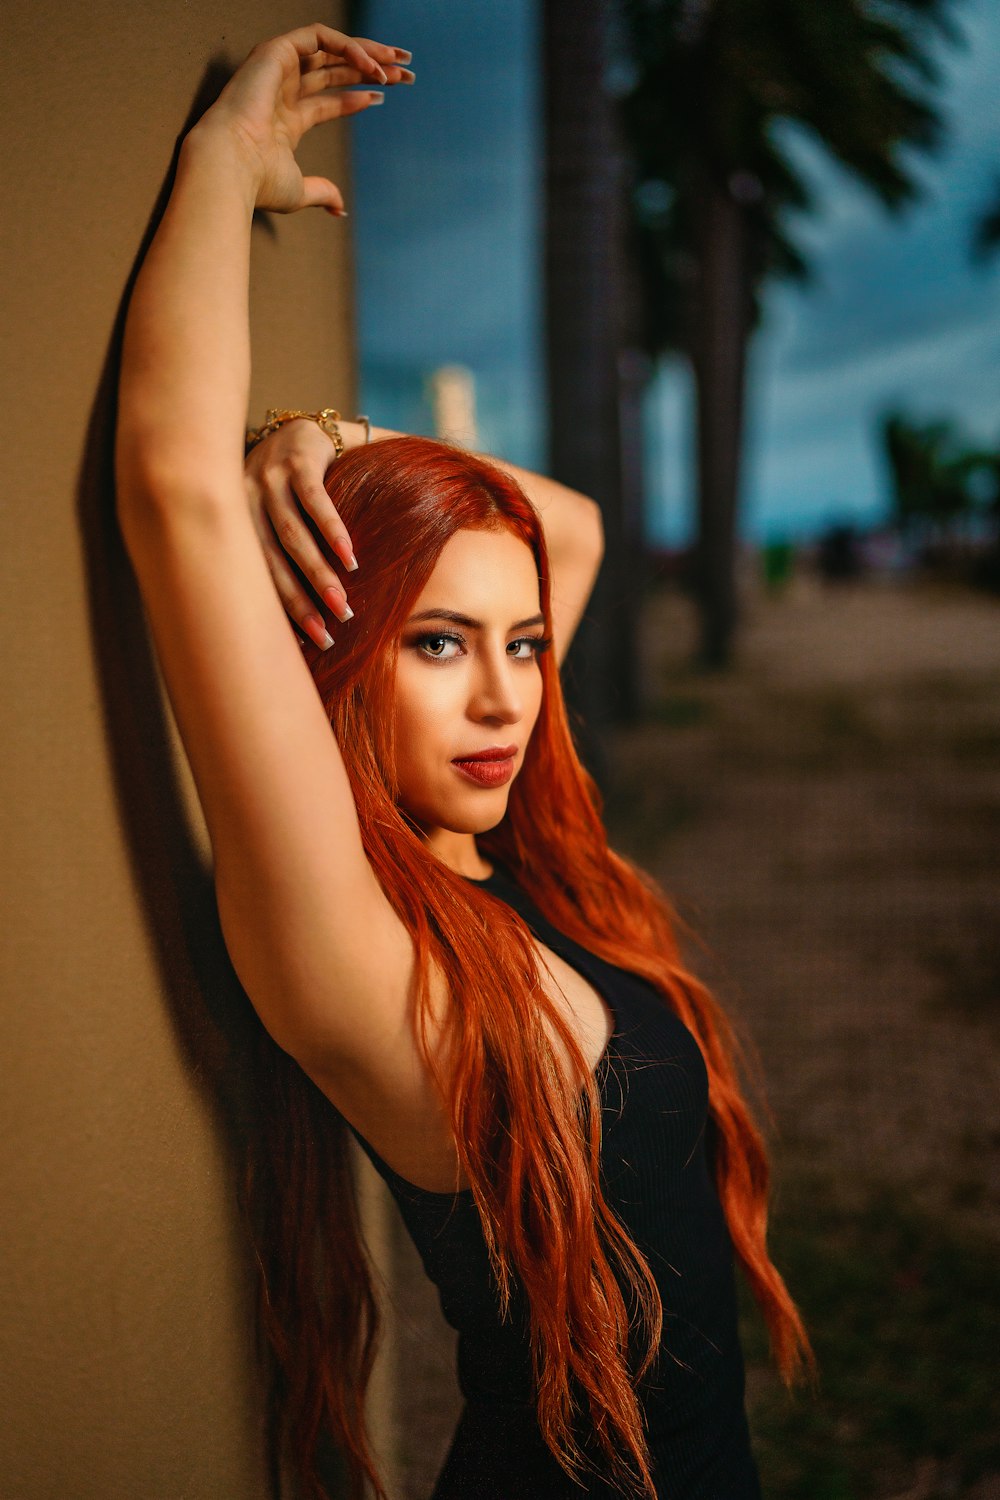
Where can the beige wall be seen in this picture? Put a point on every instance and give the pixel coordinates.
(127, 1364)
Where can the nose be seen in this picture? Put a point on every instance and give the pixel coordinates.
(497, 692)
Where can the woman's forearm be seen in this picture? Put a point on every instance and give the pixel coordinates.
(571, 521)
(186, 358)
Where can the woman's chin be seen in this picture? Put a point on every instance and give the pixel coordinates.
(488, 809)
(480, 821)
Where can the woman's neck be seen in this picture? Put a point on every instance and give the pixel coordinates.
(459, 852)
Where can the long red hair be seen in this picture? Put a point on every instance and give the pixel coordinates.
(527, 1135)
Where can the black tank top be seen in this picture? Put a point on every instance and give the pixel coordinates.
(657, 1176)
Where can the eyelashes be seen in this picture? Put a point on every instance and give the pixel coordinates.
(537, 644)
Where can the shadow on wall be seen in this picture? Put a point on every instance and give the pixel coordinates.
(219, 1035)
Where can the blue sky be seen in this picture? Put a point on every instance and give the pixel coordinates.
(446, 203)
(447, 214)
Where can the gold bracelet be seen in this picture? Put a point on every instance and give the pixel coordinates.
(327, 419)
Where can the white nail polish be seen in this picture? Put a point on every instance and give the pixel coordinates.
(347, 613)
(327, 641)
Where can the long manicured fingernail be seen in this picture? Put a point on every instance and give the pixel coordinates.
(318, 632)
(401, 54)
(337, 602)
(380, 74)
(375, 97)
(340, 213)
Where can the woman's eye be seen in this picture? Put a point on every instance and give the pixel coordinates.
(436, 646)
(528, 646)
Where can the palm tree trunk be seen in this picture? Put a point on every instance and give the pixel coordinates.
(720, 341)
(584, 257)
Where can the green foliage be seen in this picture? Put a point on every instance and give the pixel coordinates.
(716, 82)
(986, 234)
(903, 1315)
(937, 475)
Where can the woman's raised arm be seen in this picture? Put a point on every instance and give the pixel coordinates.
(310, 932)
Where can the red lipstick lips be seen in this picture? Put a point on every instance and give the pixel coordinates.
(495, 752)
(492, 767)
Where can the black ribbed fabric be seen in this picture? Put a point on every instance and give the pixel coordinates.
(654, 1160)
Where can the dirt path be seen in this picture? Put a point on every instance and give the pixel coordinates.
(828, 817)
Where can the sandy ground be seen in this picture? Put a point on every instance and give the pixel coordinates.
(827, 816)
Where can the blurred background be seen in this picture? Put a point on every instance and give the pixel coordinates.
(730, 266)
(733, 267)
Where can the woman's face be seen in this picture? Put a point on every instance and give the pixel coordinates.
(467, 681)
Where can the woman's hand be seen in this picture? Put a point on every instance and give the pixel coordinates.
(285, 87)
(284, 479)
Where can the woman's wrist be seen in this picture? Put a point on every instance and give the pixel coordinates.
(212, 149)
(354, 434)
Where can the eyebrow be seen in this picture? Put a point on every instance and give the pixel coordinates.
(467, 621)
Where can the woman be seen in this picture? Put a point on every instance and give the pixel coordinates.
(422, 905)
